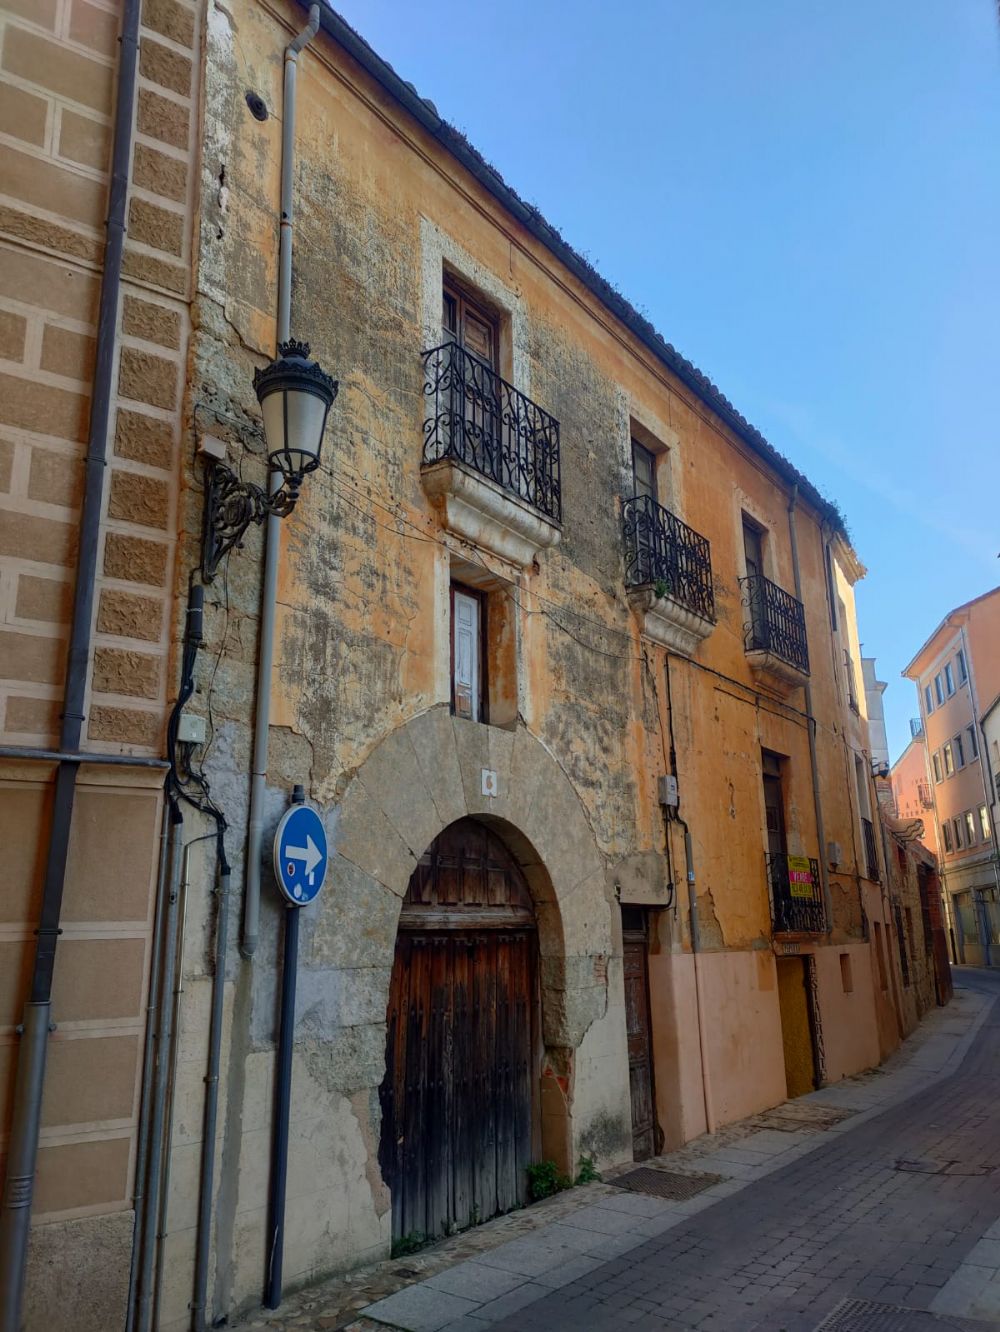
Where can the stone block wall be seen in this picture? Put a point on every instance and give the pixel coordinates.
(58, 71)
(58, 62)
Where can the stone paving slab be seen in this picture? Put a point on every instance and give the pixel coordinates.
(659, 1274)
(548, 1252)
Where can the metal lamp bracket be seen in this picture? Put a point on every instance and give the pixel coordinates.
(231, 505)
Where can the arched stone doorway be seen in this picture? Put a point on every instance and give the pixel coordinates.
(420, 779)
(459, 1099)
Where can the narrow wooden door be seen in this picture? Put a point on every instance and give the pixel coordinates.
(476, 405)
(457, 1098)
(794, 1002)
(753, 551)
(637, 1027)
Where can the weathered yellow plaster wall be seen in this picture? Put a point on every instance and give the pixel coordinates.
(361, 664)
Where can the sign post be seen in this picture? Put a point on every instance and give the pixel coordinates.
(300, 861)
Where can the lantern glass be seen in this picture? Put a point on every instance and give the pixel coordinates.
(295, 396)
(294, 421)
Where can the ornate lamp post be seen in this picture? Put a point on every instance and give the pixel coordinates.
(295, 396)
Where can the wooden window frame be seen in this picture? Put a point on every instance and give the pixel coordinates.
(454, 290)
(478, 595)
(637, 446)
(749, 524)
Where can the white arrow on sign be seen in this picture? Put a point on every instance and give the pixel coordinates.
(310, 853)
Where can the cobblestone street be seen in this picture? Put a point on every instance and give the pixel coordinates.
(900, 1211)
(881, 1212)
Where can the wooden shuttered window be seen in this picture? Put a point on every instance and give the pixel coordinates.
(467, 663)
(643, 470)
(471, 326)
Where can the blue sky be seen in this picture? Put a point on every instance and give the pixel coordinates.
(804, 197)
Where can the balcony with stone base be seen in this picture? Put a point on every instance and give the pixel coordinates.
(775, 635)
(491, 458)
(668, 575)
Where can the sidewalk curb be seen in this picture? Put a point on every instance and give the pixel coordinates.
(742, 1163)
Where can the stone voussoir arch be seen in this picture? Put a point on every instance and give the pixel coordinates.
(427, 774)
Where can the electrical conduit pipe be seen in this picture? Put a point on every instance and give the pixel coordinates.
(694, 927)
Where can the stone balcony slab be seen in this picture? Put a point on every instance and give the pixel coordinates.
(477, 509)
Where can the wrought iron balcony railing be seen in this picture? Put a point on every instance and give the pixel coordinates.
(776, 622)
(660, 549)
(796, 893)
(479, 419)
(871, 855)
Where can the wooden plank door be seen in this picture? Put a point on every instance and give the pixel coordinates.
(457, 1099)
(794, 1004)
(637, 1027)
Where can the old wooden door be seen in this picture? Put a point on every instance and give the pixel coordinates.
(795, 1004)
(460, 1048)
(637, 1026)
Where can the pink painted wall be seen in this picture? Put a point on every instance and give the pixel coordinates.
(850, 1041)
(745, 1059)
(680, 1102)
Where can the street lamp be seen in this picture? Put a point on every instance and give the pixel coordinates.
(880, 768)
(295, 396)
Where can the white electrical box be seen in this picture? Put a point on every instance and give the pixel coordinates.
(213, 449)
(668, 792)
(191, 729)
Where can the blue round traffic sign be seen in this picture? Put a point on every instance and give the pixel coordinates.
(300, 855)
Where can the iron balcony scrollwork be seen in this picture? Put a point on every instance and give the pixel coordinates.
(776, 622)
(796, 894)
(663, 551)
(478, 419)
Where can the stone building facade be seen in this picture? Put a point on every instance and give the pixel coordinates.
(566, 658)
(957, 676)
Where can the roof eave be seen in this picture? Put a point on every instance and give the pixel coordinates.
(459, 147)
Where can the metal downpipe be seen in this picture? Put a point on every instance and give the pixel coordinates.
(22, 1148)
(811, 726)
(162, 1042)
(142, 1140)
(177, 990)
(272, 532)
(199, 1320)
